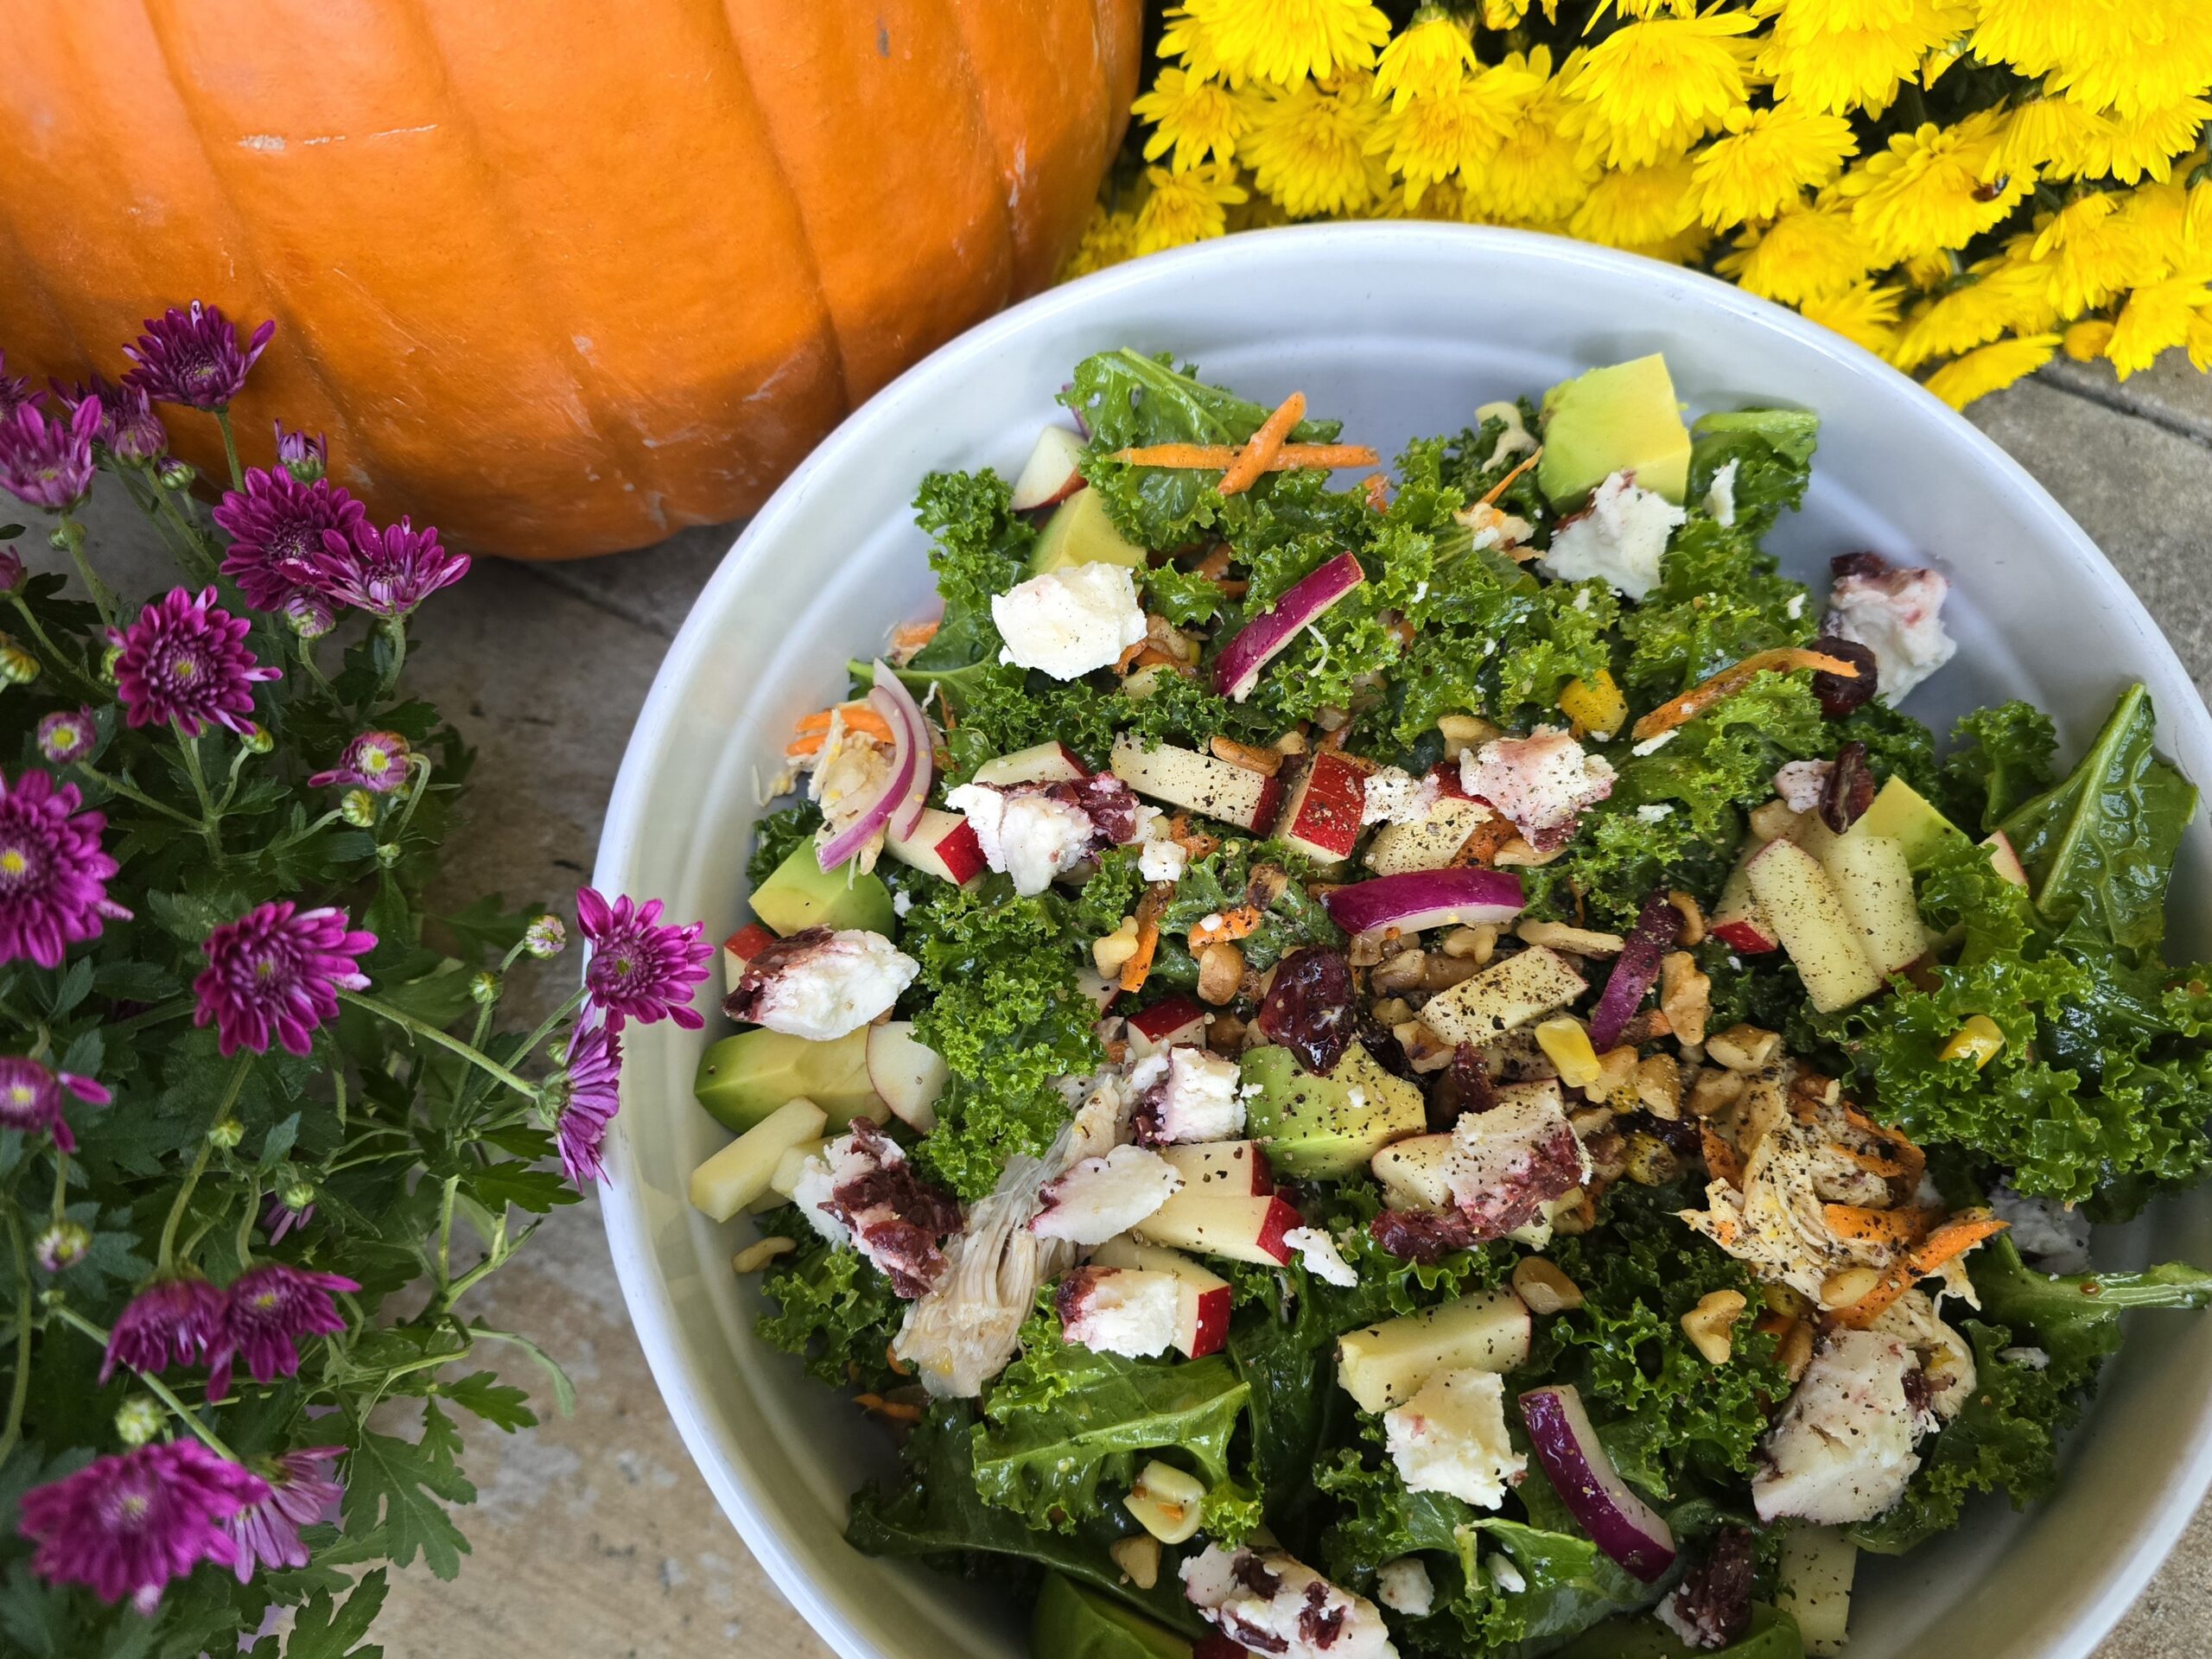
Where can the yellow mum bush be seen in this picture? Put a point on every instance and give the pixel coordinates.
(1966, 187)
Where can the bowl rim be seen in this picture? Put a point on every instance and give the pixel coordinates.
(2084, 1616)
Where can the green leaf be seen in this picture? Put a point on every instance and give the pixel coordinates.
(324, 1629)
(564, 1391)
(404, 1486)
(501, 1404)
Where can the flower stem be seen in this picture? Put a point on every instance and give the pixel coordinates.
(231, 448)
(73, 537)
(575, 1001)
(430, 1033)
(131, 792)
(395, 628)
(190, 745)
(198, 1166)
(20, 1394)
(66, 664)
(308, 662)
(155, 1386)
(160, 507)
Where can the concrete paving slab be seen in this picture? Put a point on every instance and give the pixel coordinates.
(2171, 392)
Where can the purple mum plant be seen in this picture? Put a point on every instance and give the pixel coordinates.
(214, 902)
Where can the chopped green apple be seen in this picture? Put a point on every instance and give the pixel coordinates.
(1510, 992)
(1623, 418)
(1875, 883)
(1079, 532)
(1815, 1573)
(1901, 813)
(1385, 1365)
(1807, 915)
(740, 1171)
(743, 1078)
(1321, 1128)
(799, 893)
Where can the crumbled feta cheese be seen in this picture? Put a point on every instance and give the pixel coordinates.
(1796, 607)
(1582, 601)
(1128, 1311)
(1450, 1437)
(1506, 1576)
(1163, 860)
(1322, 1257)
(1541, 781)
(1209, 923)
(1898, 616)
(1720, 495)
(1653, 745)
(810, 1192)
(1507, 1163)
(1030, 836)
(2034, 1358)
(859, 1190)
(902, 904)
(1394, 796)
(1197, 1100)
(1101, 1197)
(2052, 1238)
(1841, 1450)
(1513, 441)
(821, 985)
(1068, 622)
(1271, 1603)
(1620, 538)
(1655, 811)
(1404, 1586)
(1801, 782)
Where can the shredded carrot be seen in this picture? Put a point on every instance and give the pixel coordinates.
(1128, 656)
(1377, 485)
(1491, 495)
(1911, 1160)
(896, 1411)
(1135, 970)
(1485, 841)
(913, 636)
(1219, 457)
(1214, 566)
(1874, 1163)
(898, 1366)
(859, 717)
(1721, 1157)
(1893, 1227)
(1196, 842)
(1227, 925)
(1267, 444)
(1774, 1323)
(1729, 681)
(1954, 1237)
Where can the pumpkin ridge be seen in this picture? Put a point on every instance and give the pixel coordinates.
(981, 110)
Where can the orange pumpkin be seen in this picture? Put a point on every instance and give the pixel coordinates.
(559, 275)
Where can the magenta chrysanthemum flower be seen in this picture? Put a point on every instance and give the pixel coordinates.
(299, 1494)
(267, 1309)
(30, 1098)
(171, 1322)
(53, 873)
(283, 1216)
(67, 734)
(310, 615)
(585, 1099)
(15, 391)
(185, 660)
(641, 969)
(127, 1525)
(127, 426)
(305, 458)
(277, 525)
(276, 973)
(387, 572)
(45, 462)
(194, 357)
(376, 761)
(11, 570)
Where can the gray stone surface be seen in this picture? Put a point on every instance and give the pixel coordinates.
(594, 1535)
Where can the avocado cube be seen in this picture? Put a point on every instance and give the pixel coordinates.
(1080, 532)
(1625, 419)
(742, 1079)
(799, 893)
(1325, 1126)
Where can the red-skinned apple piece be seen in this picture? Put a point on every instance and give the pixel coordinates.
(1222, 1168)
(1736, 921)
(1203, 1326)
(1321, 817)
(1040, 763)
(740, 948)
(1050, 476)
(2001, 854)
(1200, 782)
(907, 1074)
(1243, 1229)
(943, 845)
(1178, 1018)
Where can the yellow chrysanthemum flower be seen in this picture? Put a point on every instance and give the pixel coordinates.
(1651, 90)
(2196, 216)
(1767, 159)
(1538, 174)
(1186, 37)
(1637, 206)
(1999, 295)
(2148, 142)
(2159, 214)
(1432, 137)
(1200, 120)
(2155, 320)
(2093, 252)
(1286, 42)
(2200, 341)
(1108, 239)
(1308, 148)
(2028, 35)
(1685, 247)
(1933, 187)
(1992, 368)
(1185, 207)
(2085, 341)
(1863, 314)
(1934, 269)
(2055, 137)
(1809, 252)
(2133, 57)
(1840, 55)
(1430, 57)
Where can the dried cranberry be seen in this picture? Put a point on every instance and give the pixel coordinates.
(1550, 1167)
(1112, 807)
(1255, 1575)
(1850, 789)
(1380, 1041)
(1422, 1235)
(1251, 1636)
(1679, 1135)
(1309, 1007)
(1837, 694)
(1319, 1623)
(1872, 566)
(1917, 1391)
(1713, 1601)
(1463, 1086)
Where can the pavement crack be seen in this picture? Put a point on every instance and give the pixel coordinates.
(2119, 403)
(557, 577)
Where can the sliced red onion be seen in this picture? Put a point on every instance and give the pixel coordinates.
(1619, 1522)
(1423, 899)
(910, 729)
(1636, 970)
(910, 758)
(1269, 635)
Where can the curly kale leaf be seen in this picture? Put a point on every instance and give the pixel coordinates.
(1063, 1425)
(979, 546)
(1773, 452)
(1472, 465)
(932, 1509)
(1130, 401)
(2001, 756)
(1220, 882)
(777, 837)
(833, 1311)
(1001, 1003)
(2100, 845)
(1180, 596)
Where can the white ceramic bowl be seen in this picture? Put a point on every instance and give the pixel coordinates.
(1400, 330)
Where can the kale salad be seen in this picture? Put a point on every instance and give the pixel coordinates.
(1431, 1064)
